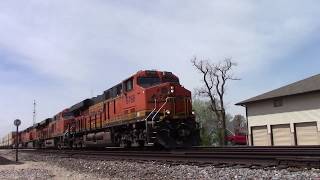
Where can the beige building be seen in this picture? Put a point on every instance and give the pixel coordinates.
(287, 116)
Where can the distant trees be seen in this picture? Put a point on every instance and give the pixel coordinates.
(215, 77)
(239, 124)
(208, 122)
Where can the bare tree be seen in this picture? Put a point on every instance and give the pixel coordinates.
(215, 76)
(239, 124)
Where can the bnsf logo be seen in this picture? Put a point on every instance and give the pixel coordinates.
(130, 99)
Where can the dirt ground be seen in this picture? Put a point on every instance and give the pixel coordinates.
(9, 169)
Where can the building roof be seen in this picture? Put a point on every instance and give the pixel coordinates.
(310, 84)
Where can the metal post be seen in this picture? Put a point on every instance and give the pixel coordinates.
(17, 143)
(247, 136)
(17, 123)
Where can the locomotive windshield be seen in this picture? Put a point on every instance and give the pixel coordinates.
(170, 79)
(148, 81)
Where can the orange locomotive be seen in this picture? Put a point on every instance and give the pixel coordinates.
(148, 108)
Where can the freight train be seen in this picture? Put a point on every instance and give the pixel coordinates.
(150, 108)
(8, 141)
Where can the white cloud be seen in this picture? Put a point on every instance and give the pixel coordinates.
(94, 44)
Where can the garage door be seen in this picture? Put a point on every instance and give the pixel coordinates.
(307, 133)
(281, 135)
(260, 136)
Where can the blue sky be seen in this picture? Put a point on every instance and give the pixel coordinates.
(58, 52)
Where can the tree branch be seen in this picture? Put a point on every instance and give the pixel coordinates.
(215, 78)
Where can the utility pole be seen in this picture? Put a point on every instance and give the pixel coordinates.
(34, 112)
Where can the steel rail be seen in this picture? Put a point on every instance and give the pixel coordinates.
(304, 158)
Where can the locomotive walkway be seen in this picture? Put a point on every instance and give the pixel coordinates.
(252, 157)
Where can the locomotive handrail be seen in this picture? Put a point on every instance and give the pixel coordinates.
(146, 119)
(160, 109)
(155, 107)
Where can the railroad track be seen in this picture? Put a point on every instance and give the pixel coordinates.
(252, 157)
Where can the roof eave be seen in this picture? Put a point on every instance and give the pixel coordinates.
(244, 103)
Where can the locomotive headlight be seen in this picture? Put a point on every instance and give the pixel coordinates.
(168, 112)
(172, 89)
(193, 113)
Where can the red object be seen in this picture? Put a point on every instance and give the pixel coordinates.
(237, 139)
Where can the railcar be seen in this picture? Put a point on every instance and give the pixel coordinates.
(42, 133)
(9, 140)
(28, 137)
(150, 108)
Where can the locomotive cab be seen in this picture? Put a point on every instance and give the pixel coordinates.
(163, 91)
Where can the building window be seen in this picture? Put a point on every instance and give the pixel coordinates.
(277, 102)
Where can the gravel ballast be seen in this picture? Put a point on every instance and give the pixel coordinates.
(106, 169)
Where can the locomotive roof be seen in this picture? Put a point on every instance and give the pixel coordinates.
(81, 105)
(44, 122)
(35, 125)
(29, 128)
(98, 99)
